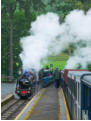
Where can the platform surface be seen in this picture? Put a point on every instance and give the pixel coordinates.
(47, 107)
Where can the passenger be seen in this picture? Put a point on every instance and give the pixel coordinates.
(41, 73)
(31, 75)
(57, 78)
(28, 75)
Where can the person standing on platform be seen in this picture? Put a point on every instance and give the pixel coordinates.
(41, 73)
(57, 78)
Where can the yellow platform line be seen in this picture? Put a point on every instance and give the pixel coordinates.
(17, 117)
(31, 110)
(59, 110)
(5, 100)
(67, 112)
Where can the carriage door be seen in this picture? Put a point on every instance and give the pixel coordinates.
(85, 102)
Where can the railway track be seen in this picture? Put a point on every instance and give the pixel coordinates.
(12, 108)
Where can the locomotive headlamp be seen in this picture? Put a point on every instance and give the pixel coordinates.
(28, 91)
(18, 91)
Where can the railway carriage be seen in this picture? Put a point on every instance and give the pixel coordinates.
(47, 78)
(78, 94)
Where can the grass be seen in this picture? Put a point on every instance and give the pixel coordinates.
(59, 64)
(57, 61)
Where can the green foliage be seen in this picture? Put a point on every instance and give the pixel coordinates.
(89, 66)
(21, 13)
(78, 66)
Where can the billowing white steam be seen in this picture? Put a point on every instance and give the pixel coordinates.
(38, 45)
(79, 31)
(81, 56)
(49, 37)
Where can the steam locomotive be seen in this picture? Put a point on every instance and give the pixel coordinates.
(24, 85)
(77, 89)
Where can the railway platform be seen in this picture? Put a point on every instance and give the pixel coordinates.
(48, 104)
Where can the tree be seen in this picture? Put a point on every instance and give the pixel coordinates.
(10, 7)
(89, 66)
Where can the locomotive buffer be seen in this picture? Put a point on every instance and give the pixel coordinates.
(48, 104)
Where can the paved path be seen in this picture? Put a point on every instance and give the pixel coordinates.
(6, 89)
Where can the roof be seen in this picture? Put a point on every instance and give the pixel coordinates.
(77, 75)
(87, 80)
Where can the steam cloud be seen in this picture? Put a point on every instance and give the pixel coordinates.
(49, 37)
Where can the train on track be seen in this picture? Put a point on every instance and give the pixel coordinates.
(25, 84)
(77, 89)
